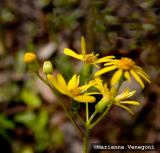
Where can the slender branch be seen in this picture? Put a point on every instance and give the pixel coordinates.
(87, 112)
(64, 107)
(92, 116)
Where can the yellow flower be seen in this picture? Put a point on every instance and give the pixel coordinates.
(121, 101)
(124, 66)
(29, 57)
(87, 58)
(31, 60)
(72, 89)
(108, 96)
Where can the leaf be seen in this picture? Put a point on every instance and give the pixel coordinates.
(6, 123)
(30, 98)
(28, 118)
(42, 120)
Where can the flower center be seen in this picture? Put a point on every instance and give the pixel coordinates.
(125, 63)
(90, 58)
(75, 92)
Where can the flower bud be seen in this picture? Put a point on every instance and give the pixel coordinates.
(101, 105)
(31, 60)
(47, 67)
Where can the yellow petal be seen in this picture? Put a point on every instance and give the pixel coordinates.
(127, 76)
(83, 46)
(71, 53)
(93, 93)
(62, 84)
(131, 102)
(85, 98)
(112, 62)
(105, 70)
(126, 108)
(131, 93)
(106, 90)
(72, 82)
(117, 75)
(143, 76)
(104, 59)
(137, 78)
(123, 95)
(78, 77)
(54, 82)
(99, 85)
(87, 86)
(141, 70)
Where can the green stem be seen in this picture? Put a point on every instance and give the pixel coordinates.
(92, 117)
(85, 140)
(87, 112)
(64, 107)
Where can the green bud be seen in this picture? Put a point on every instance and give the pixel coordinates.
(47, 67)
(101, 105)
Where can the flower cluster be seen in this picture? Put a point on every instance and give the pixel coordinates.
(124, 68)
(83, 87)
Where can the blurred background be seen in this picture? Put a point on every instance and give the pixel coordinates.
(31, 121)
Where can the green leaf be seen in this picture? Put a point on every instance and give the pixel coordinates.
(28, 118)
(30, 98)
(6, 123)
(42, 120)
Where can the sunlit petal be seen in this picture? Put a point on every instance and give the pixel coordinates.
(85, 98)
(137, 78)
(105, 70)
(130, 94)
(106, 90)
(141, 70)
(71, 53)
(116, 77)
(131, 102)
(87, 86)
(126, 108)
(143, 76)
(62, 83)
(104, 59)
(123, 95)
(54, 82)
(111, 62)
(83, 46)
(72, 82)
(127, 76)
(99, 85)
(93, 93)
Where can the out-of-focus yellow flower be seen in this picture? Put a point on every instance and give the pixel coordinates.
(31, 60)
(72, 89)
(108, 96)
(87, 58)
(29, 57)
(124, 66)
